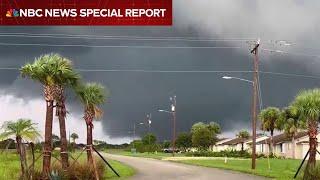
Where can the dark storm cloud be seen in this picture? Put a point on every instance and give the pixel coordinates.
(200, 96)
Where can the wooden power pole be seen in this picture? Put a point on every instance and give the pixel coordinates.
(254, 51)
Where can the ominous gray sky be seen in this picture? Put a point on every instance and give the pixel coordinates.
(200, 96)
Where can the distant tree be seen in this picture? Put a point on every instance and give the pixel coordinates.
(184, 140)
(290, 122)
(23, 129)
(55, 140)
(201, 138)
(197, 126)
(74, 136)
(244, 134)
(166, 144)
(214, 129)
(269, 118)
(149, 139)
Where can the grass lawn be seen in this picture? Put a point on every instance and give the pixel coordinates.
(10, 166)
(280, 168)
(158, 155)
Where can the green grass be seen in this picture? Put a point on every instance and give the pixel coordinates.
(10, 166)
(158, 155)
(282, 169)
(123, 170)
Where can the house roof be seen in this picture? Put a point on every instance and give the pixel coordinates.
(236, 141)
(283, 137)
(222, 140)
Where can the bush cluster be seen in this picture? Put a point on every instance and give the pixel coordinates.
(76, 171)
(227, 153)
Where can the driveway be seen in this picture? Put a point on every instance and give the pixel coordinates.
(164, 170)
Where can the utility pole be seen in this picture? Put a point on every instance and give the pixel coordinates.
(254, 51)
(149, 124)
(134, 134)
(173, 111)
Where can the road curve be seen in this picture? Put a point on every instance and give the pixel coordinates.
(153, 169)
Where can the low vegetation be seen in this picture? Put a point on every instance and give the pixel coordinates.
(10, 168)
(232, 153)
(281, 169)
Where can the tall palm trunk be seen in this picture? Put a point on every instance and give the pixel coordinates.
(88, 117)
(23, 160)
(61, 113)
(48, 93)
(89, 143)
(313, 143)
(271, 140)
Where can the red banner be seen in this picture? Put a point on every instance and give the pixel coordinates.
(86, 12)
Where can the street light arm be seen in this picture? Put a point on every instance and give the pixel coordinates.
(161, 110)
(241, 79)
(246, 80)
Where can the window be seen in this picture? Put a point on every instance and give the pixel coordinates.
(281, 147)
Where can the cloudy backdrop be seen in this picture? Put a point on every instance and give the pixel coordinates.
(202, 96)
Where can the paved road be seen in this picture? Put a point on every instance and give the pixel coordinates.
(163, 170)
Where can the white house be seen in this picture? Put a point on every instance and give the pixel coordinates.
(220, 146)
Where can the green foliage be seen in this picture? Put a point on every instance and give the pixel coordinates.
(55, 141)
(166, 144)
(91, 94)
(149, 139)
(269, 118)
(243, 134)
(281, 169)
(142, 147)
(201, 138)
(51, 69)
(232, 153)
(204, 135)
(23, 128)
(308, 104)
(74, 136)
(76, 171)
(290, 121)
(184, 140)
(313, 173)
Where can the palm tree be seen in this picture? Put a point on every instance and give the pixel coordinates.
(74, 136)
(243, 134)
(67, 77)
(54, 72)
(269, 118)
(308, 104)
(290, 122)
(91, 95)
(23, 129)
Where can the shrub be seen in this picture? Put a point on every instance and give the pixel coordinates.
(76, 171)
(231, 153)
(313, 173)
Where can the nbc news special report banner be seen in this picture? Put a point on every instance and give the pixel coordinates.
(86, 12)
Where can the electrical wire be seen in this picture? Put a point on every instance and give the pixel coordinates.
(110, 46)
(126, 38)
(153, 38)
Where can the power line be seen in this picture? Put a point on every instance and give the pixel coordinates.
(127, 38)
(109, 46)
(289, 74)
(155, 38)
(180, 71)
(289, 53)
(157, 71)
